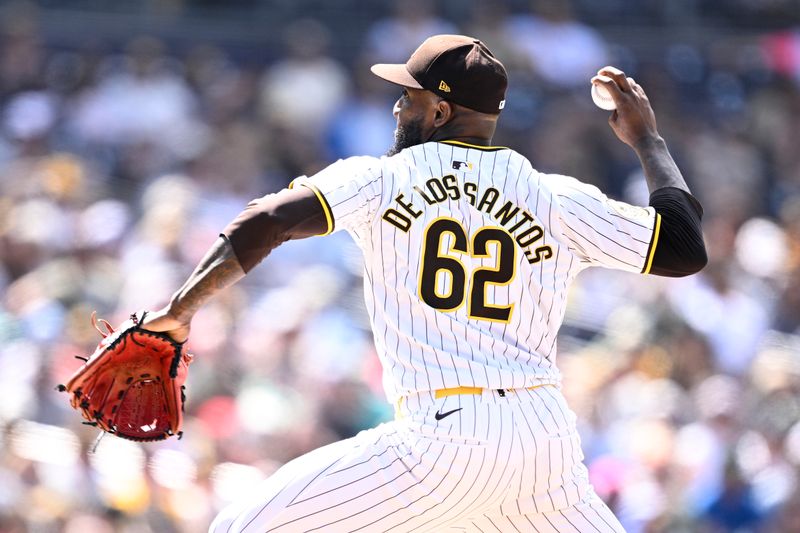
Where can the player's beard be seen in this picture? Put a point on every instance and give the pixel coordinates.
(406, 136)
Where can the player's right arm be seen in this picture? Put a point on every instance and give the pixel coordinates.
(677, 248)
(634, 122)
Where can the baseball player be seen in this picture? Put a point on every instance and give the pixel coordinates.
(469, 252)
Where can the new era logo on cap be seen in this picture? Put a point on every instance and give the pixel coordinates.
(444, 87)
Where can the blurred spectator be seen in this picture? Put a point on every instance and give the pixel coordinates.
(21, 54)
(394, 38)
(734, 509)
(559, 49)
(364, 125)
(302, 92)
(732, 321)
(142, 104)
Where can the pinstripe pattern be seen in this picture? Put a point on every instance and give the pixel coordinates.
(506, 463)
(422, 348)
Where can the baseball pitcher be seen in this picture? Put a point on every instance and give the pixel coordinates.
(468, 256)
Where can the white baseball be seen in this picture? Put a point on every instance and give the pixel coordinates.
(602, 98)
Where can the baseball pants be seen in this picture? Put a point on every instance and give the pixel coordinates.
(494, 461)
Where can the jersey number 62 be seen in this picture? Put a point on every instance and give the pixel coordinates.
(443, 279)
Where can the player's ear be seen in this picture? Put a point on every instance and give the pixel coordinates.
(443, 112)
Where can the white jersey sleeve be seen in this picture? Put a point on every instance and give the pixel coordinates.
(602, 231)
(349, 191)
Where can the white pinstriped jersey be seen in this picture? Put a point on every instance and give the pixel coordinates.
(469, 252)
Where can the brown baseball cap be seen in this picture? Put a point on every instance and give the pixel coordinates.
(456, 67)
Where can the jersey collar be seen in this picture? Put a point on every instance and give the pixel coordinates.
(475, 146)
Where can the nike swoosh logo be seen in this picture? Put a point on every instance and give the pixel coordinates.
(439, 416)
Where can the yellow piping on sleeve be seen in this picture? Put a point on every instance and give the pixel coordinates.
(325, 207)
(653, 245)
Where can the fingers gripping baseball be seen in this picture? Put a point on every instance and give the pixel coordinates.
(633, 120)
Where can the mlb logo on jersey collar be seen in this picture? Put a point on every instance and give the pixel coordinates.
(463, 166)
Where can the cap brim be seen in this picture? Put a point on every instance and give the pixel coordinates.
(396, 74)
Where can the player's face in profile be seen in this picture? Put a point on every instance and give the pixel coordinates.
(410, 111)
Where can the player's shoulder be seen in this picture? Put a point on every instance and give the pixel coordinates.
(359, 167)
(564, 185)
(357, 162)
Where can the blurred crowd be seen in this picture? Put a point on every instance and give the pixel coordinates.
(120, 163)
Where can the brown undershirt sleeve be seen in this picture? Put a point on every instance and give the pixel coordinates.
(679, 247)
(272, 220)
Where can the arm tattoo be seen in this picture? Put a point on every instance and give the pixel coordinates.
(218, 270)
(659, 168)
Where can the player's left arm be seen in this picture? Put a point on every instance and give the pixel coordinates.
(677, 248)
(341, 196)
(263, 225)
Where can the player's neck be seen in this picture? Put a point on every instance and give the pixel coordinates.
(474, 128)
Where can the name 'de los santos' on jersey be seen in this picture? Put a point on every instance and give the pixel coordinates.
(468, 253)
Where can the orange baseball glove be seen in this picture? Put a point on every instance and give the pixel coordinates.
(133, 384)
